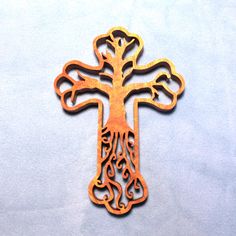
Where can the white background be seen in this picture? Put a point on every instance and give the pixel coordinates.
(47, 157)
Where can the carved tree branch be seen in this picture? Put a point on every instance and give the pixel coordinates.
(151, 85)
(84, 84)
(154, 86)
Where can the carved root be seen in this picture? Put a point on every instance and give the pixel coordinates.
(118, 184)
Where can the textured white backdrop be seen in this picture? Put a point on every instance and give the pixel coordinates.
(47, 158)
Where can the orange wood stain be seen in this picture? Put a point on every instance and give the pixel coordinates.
(118, 143)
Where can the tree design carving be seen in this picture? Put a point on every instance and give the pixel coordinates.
(118, 143)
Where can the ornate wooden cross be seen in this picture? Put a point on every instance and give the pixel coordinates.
(118, 143)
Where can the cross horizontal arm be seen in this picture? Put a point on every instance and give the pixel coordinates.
(84, 84)
(153, 87)
(160, 82)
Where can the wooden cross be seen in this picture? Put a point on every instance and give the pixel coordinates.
(118, 143)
